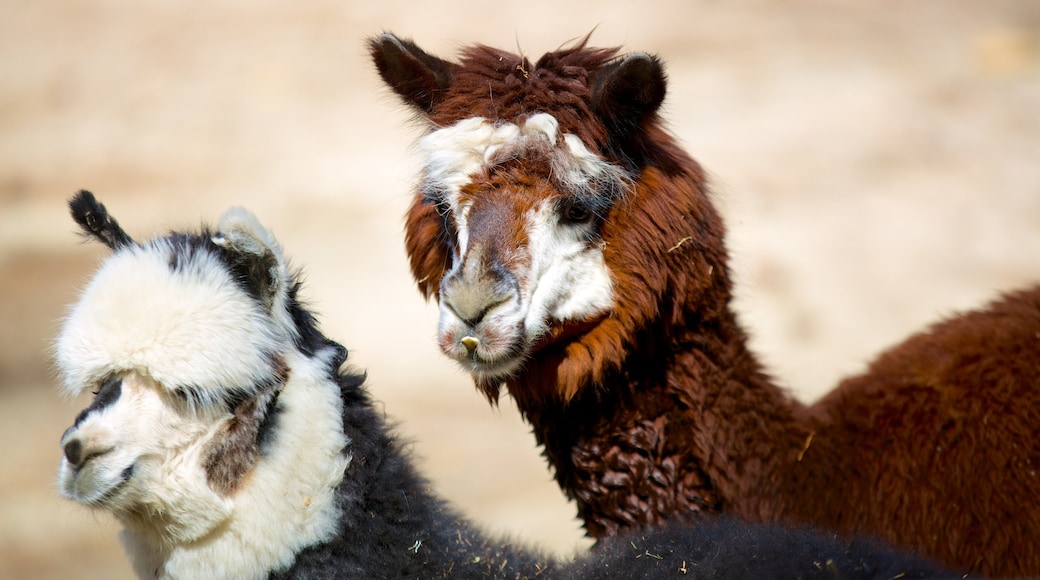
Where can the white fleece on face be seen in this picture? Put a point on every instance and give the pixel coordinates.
(161, 328)
(560, 276)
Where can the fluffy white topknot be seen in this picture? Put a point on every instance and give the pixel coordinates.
(179, 317)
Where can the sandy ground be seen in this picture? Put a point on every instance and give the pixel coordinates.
(878, 163)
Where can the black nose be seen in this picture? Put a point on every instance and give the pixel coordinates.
(74, 452)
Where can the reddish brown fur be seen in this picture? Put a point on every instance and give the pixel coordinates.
(660, 407)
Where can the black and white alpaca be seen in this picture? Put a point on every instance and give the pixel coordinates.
(228, 440)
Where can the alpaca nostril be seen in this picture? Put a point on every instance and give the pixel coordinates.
(74, 452)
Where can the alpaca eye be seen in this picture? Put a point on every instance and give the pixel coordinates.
(575, 213)
(106, 393)
(107, 384)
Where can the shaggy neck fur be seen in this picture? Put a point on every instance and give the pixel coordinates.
(645, 405)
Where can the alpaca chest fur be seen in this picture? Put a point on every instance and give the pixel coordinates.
(635, 451)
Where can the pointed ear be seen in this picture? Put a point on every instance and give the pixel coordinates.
(420, 79)
(93, 218)
(626, 91)
(254, 254)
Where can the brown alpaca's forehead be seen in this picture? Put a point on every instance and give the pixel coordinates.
(496, 204)
(523, 181)
(502, 86)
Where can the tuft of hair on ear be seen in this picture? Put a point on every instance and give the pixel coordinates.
(94, 220)
(254, 254)
(627, 91)
(419, 78)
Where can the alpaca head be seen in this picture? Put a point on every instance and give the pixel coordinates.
(182, 340)
(536, 223)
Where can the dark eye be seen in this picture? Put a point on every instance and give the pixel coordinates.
(574, 212)
(106, 385)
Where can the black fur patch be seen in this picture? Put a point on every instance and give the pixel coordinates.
(265, 435)
(186, 246)
(253, 273)
(108, 394)
(92, 216)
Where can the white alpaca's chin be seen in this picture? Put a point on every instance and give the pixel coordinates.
(96, 485)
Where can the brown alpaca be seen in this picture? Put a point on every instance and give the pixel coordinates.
(579, 262)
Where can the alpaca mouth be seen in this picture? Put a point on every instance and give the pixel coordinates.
(491, 367)
(489, 361)
(114, 491)
(485, 352)
(86, 487)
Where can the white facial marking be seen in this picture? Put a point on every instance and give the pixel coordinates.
(558, 275)
(573, 281)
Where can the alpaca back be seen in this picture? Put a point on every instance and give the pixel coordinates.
(726, 548)
(944, 428)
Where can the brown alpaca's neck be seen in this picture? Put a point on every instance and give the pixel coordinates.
(687, 424)
(748, 430)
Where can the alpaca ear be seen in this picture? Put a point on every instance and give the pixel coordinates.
(419, 78)
(93, 218)
(254, 254)
(626, 91)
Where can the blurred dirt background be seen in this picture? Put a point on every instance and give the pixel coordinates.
(878, 163)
